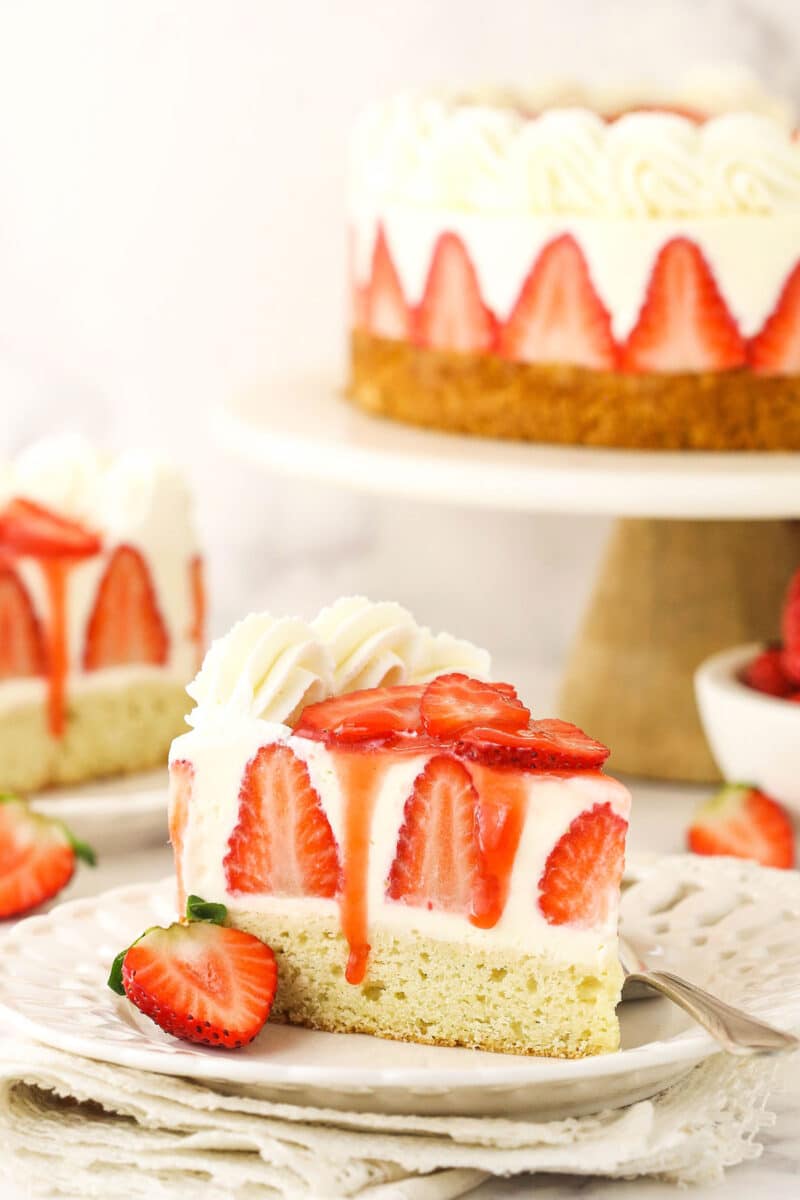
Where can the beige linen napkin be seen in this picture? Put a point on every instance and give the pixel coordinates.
(73, 1127)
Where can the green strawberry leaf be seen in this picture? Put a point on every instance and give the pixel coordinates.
(83, 850)
(115, 976)
(198, 909)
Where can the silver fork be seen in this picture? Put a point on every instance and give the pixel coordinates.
(734, 1029)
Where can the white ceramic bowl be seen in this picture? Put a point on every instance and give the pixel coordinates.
(754, 738)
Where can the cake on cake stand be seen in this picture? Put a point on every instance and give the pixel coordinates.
(698, 558)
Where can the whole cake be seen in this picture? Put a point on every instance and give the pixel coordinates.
(101, 613)
(580, 267)
(427, 862)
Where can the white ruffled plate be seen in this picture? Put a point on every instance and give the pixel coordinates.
(725, 923)
(123, 813)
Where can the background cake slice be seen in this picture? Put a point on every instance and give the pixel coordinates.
(101, 613)
(427, 862)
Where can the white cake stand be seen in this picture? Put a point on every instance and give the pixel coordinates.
(698, 561)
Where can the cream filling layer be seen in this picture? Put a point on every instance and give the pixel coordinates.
(219, 757)
(750, 254)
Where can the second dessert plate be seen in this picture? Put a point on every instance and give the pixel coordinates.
(727, 924)
(112, 814)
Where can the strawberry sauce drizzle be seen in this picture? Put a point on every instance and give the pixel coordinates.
(56, 572)
(360, 776)
(503, 800)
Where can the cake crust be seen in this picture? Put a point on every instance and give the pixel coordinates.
(495, 999)
(487, 396)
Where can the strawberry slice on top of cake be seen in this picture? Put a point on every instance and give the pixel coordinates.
(101, 613)
(428, 861)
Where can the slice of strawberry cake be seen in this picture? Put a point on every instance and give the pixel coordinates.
(427, 861)
(101, 613)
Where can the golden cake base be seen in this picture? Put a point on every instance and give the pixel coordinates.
(489, 396)
(669, 594)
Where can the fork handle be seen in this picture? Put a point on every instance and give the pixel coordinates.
(735, 1030)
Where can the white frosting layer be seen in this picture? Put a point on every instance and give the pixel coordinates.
(134, 499)
(523, 155)
(750, 256)
(220, 755)
(270, 669)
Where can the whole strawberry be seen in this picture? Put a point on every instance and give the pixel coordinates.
(198, 979)
(38, 857)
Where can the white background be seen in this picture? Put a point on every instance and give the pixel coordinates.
(171, 228)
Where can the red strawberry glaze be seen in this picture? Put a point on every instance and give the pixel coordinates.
(360, 777)
(501, 816)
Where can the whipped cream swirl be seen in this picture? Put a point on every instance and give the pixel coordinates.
(271, 668)
(264, 667)
(523, 155)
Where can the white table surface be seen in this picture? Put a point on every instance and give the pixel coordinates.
(661, 813)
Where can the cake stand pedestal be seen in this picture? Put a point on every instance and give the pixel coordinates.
(698, 559)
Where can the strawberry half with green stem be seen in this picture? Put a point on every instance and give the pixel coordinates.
(741, 822)
(198, 979)
(38, 857)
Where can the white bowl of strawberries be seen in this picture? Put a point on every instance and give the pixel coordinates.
(749, 701)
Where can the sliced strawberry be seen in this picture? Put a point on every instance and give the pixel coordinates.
(790, 628)
(766, 674)
(22, 643)
(775, 350)
(125, 625)
(452, 703)
(742, 822)
(282, 844)
(580, 882)
(684, 323)
(452, 314)
(387, 314)
(28, 528)
(438, 862)
(359, 293)
(181, 782)
(200, 981)
(38, 856)
(558, 316)
(369, 715)
(542, 746)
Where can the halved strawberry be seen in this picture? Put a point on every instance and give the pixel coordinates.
(38, 856)
(766, 674)
(580, 882)
(125, 625)
(451, 314)
(452, 703)
(387, 314)
(775, 350)
(29, 528)
(558, 316)
(742, 822)
(373, 714)
(438, 862)
(22, 643)
(541, 746)
(684, 323)
(282, 844)
(199, 980)
(790, 628)
(197, 589)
